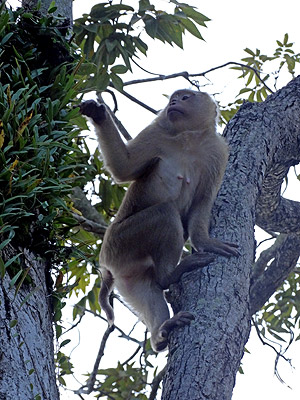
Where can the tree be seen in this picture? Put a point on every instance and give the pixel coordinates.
(43, 158)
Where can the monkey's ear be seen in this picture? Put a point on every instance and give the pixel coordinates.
(92, 109)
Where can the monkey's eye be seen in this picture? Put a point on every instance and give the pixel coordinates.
(185, 97)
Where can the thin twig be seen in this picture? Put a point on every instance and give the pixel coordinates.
(92, 378)
(186, 75)
(132, 98)
(156, 383)
(132, 356)
(279, 354)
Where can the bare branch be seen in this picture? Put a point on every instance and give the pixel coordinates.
(160, 77)
(89, 225)
(279, 354)
(92, 378)
(266, 256)
(286, 253)
(132, 98)
(187, 76)
(132, 356)
(119, 124)
(82, 204)
(156, 382)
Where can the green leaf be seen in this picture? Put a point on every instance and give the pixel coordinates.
(117, 82)
(251, 76)
(247, 50)
(191, 27)
(15, 278)
(151, 26)
(11, 260)
(13, 323)
(195, 15)
(52, 8)
(141, 45)
(119, 69)
(4, 243)
(64, 343)
(6, 38)
(102, 81)
(2, 268)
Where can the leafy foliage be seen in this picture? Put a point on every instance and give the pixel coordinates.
(111, 33)
(40, 149)
(123, 382)
(258, 83)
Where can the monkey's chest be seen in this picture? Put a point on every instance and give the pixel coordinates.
(177, 180)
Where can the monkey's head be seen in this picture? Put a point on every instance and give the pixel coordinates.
(190, 110)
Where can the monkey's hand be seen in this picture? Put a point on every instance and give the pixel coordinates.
(160, 339)
(94, 110)
(212, 245)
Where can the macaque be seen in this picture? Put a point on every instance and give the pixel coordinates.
(176, 166)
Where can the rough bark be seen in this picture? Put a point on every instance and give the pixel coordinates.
(27, 353)
(264, 142)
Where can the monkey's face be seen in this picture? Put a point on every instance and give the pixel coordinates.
(189, 110)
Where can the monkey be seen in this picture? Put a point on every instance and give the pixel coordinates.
(175, 166)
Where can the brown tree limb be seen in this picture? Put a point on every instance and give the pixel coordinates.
(82, 204)
(265, 257)
(286, 253)
(90, 226)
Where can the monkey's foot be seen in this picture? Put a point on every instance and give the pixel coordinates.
(226, 249)
(92, 109)
(160, 339)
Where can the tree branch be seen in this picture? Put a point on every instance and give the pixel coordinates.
(285, 252)
(82, 204)
(92, 378)
(135, 100)
(156, 382)
(118, 123)
(187, 76)
(90, 226)
(277, 214)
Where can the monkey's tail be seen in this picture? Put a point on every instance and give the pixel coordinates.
(105, 290)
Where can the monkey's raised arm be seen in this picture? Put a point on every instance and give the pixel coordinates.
(126, 162)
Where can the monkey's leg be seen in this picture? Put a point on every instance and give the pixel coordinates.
(153, 236)
(147, 298)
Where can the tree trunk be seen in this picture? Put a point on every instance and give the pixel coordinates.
(27, 354)
(264, 141)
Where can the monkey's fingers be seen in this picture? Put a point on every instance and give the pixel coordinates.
(227, 249)
(92, 109)
(183, 318)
